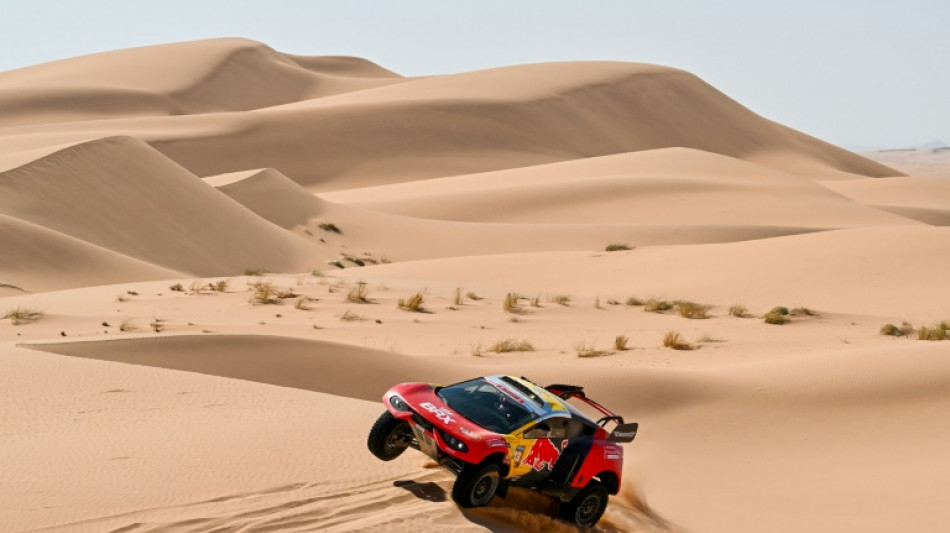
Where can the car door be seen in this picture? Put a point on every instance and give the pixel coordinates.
(537, 448)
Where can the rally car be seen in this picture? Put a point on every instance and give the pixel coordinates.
(494, 432)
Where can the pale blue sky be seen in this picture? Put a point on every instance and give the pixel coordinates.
(853, 73)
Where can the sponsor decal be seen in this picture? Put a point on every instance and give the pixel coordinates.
(442, 413)
(508, 391)
(497, 443)
(470, 433)
(543, 454)
(613, 452)
(519, 451)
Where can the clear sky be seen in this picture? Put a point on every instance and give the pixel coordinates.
(855, 73)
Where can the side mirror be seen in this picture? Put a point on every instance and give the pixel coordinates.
(538, 432)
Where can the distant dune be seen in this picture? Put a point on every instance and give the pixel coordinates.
(204, 247)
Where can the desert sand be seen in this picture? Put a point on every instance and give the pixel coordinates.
(182, 227)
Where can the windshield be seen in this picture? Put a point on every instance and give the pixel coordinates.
(480, 402)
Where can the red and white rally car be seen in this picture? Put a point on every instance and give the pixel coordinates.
(501, 431)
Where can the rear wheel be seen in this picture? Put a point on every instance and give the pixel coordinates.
(587, 507)
(476, 485)
(389, 437)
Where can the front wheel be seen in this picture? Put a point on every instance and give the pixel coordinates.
(587, 507)
(476, 485)
(389, 437)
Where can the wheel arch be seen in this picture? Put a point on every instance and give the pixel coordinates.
(610, 481)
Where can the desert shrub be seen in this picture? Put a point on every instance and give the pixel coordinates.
(777, 316)
(588, 350)
(355, 260)
(738, 311)
(511, 345)
(620, 343)
(457, 300)
(128, 325)
(562, 299)
(177, 287)
(316, 272)
(220, 285)
(612, 302)
(264, 293)
(597, 303)
(472, 296)
(19, 316)
(939, 332)
(413, 303)
(692, 310)
(634, 302)
(255, 271)
(358, 294)
(330, 227)
(512, 305)
(799, 311)
(903, 330)
(617, 247)
(675, 341)
(350, 316)
(157, 325)
(657, 306)
(536, 301)
(337, 264)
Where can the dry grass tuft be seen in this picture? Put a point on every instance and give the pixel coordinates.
(350, 316)
(675, 341)
(940, 332)
(128, 325)
(692, 310)
(457, 300)
(472, 296)
(708, 337)
(804, 311)
(588, 350)
(511, 345)
(22, 315)
(264, 293)
(177, 287)
(303, 304)
(512, 305)
(331, 227)
(634, 302)
(536, 301)
(412, 304)
(903, 331)
(739, 311)
(597, 303)
(255, 271)
(657, 306)
(477, 350)
(620, 343)
(562, 299)
(220, 285)
(358, 294)
(617, 247)
(777, 316)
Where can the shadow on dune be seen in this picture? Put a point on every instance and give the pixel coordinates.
(428, 491)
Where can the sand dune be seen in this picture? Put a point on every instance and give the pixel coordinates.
(120, 194)
(669, 186)
(177, 79)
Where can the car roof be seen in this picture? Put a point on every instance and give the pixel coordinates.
(541, 402)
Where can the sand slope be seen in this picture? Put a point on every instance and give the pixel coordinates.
(120, 194)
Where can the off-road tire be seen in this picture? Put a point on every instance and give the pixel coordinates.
(476, 485)
(387, 437)
(585, 509)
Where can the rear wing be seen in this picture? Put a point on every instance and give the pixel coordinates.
(622, 433)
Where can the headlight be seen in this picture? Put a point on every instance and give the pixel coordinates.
(453, 442)
(398, 403)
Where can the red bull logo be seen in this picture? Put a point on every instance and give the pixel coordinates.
(543, 454)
